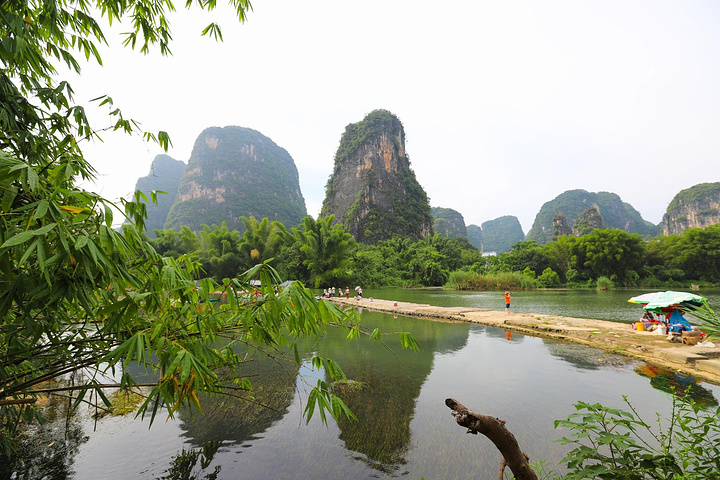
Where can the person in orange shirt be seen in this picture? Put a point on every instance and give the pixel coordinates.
(507, 302)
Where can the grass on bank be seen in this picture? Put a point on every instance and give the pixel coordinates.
(491, 281)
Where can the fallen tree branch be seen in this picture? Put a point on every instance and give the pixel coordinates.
(494, 429)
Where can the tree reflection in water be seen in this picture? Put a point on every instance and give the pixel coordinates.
(239, 418)
(191, 464)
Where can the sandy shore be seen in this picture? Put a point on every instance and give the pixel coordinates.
(619, 338)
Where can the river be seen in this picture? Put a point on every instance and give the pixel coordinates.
(404, 428)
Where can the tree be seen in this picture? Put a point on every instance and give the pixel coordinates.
(261, 241)
(526, 254)
(559, 253)
(173, 244)
(326, 249)
(611, 253)
(78, 298)
(697, 253)
(220, 252)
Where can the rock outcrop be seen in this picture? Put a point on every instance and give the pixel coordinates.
(165, 175)
(500, 234)
(694, 207)
(448, 223)
(372, 190)
(615, 214)
(588, 221)
(233, 172)
(560, 226)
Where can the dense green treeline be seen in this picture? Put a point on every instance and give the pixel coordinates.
(607, 257)
(319, 253)
(322, 254)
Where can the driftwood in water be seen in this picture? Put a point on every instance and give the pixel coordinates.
(494, 429)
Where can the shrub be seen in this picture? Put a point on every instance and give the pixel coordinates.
(604, 283)
(549, 278)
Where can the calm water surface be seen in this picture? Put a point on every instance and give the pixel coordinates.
(404, 428)
(610, 305)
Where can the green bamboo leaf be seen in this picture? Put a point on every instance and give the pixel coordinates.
(26, 235)
(41, 209)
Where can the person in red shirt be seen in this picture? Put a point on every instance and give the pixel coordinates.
(507, 302)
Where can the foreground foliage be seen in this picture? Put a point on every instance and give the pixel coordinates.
(614, 443)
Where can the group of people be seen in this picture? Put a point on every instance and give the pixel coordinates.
(672, 322)
(333, 292)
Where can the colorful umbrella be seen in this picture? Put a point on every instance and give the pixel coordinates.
(644, 298)
(674, 299)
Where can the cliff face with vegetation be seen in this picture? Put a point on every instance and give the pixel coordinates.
(234, 172)
(372, 190)
(500, 234)
(475, 236)
(448, 222)
(165, 175)
(613, 211)
(694, 207)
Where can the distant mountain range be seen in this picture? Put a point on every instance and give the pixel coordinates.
(235, 171)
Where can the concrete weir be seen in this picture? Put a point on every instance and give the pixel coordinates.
(699, 361)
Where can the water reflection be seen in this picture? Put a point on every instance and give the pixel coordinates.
(243, 415)
(684, 387)
(191, 464)
(403, 426)
(503, 334)
(390, 381)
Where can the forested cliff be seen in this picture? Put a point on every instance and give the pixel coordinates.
(694, 207)
(500, 234)
(613, 211)
(372, 189)
(233, 172)
(449, 223)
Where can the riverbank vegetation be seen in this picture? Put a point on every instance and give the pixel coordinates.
(322, 254)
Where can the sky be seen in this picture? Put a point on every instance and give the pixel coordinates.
(505, 104)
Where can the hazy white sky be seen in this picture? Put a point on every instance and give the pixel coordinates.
(505, 104)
